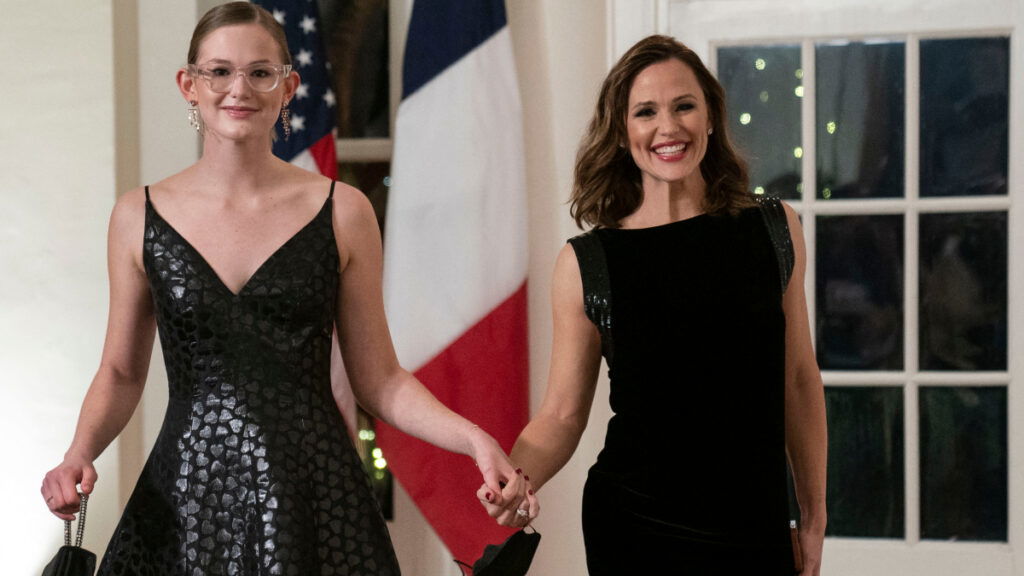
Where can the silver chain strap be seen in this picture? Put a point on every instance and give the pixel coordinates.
(80, 531)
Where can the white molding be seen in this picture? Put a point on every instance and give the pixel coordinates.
(363, 149)
(628, 22)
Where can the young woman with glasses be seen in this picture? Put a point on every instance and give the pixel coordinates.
(244, 263)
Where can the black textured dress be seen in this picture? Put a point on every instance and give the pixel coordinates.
(252, 472)
(692, 478)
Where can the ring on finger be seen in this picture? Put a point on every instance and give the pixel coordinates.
(521, 512)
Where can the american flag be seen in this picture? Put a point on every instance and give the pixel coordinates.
(311, 144)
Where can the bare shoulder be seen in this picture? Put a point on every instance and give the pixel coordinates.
(351, 207)
(129, 211)
(566, 265)
(792, 218)
(127, 226)
(567, 282)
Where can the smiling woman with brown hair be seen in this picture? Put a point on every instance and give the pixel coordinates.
(692, 290)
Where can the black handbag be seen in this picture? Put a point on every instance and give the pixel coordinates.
(510, 558)
(73, 560)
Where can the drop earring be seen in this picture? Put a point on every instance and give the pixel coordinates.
(194, 120)
(710, 131)
(286, 121)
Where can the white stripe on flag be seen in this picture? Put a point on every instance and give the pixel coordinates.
(305, 160)
(456, 242)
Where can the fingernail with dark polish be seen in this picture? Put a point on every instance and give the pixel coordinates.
(530, 492)
(489, 496)
(527, 478)
(519, 471)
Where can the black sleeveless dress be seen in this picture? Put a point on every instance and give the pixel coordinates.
(252, 472)
(692, 478)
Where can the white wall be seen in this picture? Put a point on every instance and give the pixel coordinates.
(57, 181)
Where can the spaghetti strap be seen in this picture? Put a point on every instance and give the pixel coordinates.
(331, 195)
(147, 192)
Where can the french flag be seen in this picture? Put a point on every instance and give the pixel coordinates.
(455, 253)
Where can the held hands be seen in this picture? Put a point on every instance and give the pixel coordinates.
(506, 493)
(60, 486)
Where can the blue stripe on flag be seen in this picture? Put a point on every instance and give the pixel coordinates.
(443, 31)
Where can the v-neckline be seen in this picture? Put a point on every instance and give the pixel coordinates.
(256, 272)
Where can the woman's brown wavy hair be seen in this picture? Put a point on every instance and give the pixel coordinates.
(606, 185)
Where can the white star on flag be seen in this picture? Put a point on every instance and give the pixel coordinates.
(308, 25)
(279, 16)
(302, 91)
(297, 123)
(305, 57)
(329, 97)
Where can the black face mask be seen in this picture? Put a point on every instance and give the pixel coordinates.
(510, 558)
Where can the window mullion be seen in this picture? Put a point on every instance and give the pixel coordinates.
(911, 341)
(808, 166)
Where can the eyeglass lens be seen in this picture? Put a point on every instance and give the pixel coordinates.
(261, 77)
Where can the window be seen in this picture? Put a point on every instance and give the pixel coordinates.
(902, 184)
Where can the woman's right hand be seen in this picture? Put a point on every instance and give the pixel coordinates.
(511, 512)
(60, 486)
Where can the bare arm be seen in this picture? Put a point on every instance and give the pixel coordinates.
(806, 433)
(551, 437)
(379, 383)
(117, 385)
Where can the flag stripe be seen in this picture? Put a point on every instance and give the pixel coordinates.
(457, 211)
(325, 156)
(492, 356)
(428, 53)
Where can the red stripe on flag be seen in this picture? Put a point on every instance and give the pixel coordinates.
(325, 156)
(484, 376)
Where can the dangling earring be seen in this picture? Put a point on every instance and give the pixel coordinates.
(194, 120)
(286, 121)
(710, 130)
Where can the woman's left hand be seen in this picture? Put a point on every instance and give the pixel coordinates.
(506, 492)
(811, 542)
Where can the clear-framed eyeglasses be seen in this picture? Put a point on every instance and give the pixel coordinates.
(260, 77)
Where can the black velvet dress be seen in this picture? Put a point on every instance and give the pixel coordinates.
(252, 472)
(692, 478)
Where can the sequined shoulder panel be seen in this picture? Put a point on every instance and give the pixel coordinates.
(775, 221)
(597, 291)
